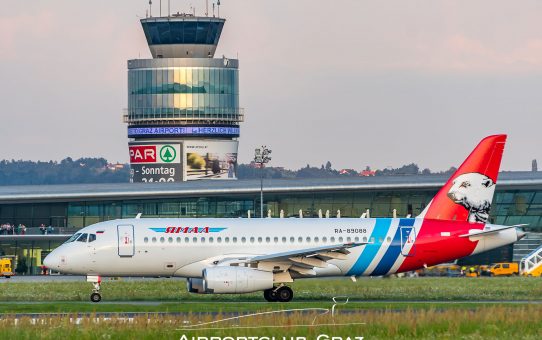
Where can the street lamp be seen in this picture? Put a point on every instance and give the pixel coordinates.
(261, 157)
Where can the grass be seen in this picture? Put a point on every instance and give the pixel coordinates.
(373, 289)
(424, 308)
(488, 322)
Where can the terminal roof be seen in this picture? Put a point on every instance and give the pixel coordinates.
(122, 191)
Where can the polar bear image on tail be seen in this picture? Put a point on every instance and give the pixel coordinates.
(474, 191)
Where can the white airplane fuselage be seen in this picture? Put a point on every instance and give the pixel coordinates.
(185, 247)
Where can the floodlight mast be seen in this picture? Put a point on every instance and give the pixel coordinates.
(261, 157)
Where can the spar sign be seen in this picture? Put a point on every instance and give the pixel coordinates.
(155, 154)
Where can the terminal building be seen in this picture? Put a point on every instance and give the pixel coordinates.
(183, 110)
(67, 208)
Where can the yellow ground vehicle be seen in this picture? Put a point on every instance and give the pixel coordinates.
(504, 269)
(5, 268)
(537, 272)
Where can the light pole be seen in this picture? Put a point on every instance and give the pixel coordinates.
(261, 157)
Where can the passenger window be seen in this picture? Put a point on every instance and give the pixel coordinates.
(243, 239)
(82, 238)
(267, 239)
(170, 240)
(154, 240)
(332, 239)
(186, 240)
(162, 240)
(178, 240)
(276, 239)
(252, 240)
(340, 239)
(211, 240)
(498, 266)
(259, 240)
(308, 239)
(219, 239)
(92, 238)
(300, 239)
(284, 240)
(506, 265)
(234, 239)
(324, 239)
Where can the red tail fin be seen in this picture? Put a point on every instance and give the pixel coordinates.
(468, 194)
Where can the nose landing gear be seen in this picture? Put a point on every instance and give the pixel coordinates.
(96, 282)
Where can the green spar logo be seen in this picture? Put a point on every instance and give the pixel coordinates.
(168, 153)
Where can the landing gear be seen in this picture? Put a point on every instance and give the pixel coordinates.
(95, 297)
(279, 294)
(96, 282)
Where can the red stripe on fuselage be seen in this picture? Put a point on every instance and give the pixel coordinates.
(431, 248)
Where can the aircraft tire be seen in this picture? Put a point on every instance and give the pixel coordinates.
(95, 297)
(270, 295)
(285, 294)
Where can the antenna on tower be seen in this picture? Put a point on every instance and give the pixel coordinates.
(168, 8)
(160, 8)
(213, 9)
(206, 8)
(218, 4)
(150, 8)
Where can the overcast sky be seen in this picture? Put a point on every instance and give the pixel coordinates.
(379, 83)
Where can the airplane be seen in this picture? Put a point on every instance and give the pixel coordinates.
(230, 256)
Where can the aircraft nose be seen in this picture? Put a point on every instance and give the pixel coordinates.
(520, 233)
(52, 260)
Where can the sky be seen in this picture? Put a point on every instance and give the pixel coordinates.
(357, 83)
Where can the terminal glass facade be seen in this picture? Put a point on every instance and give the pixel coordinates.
(509, 207)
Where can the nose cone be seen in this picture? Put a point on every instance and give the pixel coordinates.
(52, 260)
(520, 233)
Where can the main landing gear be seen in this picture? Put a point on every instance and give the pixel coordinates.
(279, 294)
(96, 282)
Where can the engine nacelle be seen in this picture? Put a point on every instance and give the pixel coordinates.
(195, 286)
(231, 280)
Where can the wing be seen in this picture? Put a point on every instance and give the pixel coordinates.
(304, 261)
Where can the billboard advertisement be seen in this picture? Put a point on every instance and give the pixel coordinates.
(156, 163)
(211, 159)
(183, 131)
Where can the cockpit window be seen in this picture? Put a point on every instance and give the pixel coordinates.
(82, 238)
(91, 237)
(73, 238)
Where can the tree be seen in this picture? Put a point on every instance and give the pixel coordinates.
(21, 266)
(328, 166)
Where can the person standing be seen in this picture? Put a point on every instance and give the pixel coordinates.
(42, 229)
(23, 229)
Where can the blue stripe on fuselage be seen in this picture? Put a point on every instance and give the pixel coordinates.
(394, 249)
(382, 225)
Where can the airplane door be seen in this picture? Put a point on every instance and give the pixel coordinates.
(408, 238)
(125, 236)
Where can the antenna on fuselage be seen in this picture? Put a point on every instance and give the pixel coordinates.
(138, 216)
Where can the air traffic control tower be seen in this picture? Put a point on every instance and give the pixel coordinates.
(183, 111)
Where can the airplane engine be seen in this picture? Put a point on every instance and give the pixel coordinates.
(195, 286)
(231, 280)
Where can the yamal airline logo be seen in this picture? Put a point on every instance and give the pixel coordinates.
(187, 230)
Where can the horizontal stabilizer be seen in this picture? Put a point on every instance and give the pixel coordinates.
(487, 232)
